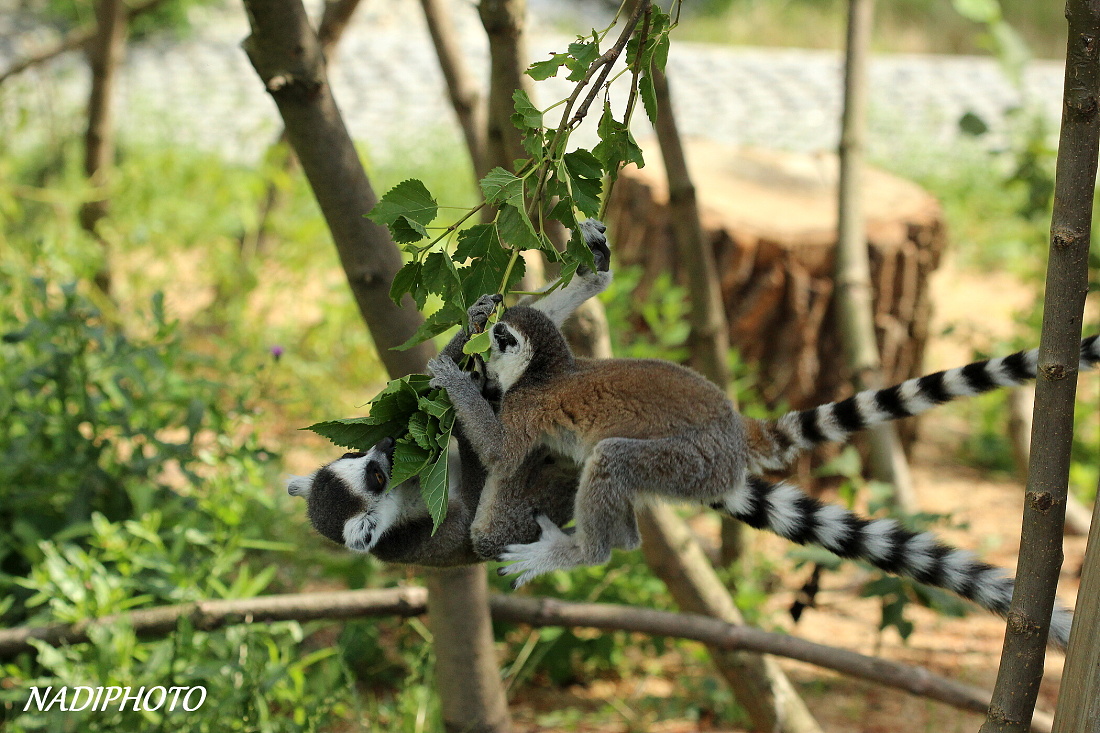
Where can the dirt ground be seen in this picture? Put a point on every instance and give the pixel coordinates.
(963, 649)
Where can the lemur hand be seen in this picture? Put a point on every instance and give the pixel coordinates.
(478, 313)
(447, 375)
(593, 231)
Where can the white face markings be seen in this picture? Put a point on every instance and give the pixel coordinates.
(352, 472)
(512, 352)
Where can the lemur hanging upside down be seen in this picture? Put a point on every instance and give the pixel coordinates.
(348, 501)
(643, 429)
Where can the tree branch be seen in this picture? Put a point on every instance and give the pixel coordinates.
(533, 611)
(71, 42)
(462, 88)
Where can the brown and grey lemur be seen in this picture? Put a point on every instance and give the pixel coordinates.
(348, 500)
(643, 429)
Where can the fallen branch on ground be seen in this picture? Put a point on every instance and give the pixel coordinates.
(412, 601)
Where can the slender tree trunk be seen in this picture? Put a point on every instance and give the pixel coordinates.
(504, 24)
(334, 21)
(853, 269)
(1079, 698)
(462, 88)
(708, 342)
(1021, 668)
(503, 21)
(1021, 403)
(287, 57)
(105, 54)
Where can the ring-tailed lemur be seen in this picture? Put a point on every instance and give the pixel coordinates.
(644, 428)
(348, 500)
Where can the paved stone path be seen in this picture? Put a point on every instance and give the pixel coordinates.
(203, 91)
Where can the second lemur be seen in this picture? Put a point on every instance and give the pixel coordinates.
(644, 428)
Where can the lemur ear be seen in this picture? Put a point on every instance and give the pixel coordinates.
(299, 485)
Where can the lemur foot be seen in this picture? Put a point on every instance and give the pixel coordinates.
(537, 558)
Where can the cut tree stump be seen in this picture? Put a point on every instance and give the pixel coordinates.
(771, 218)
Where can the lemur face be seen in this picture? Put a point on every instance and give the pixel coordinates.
(510, 356)
(343, 499)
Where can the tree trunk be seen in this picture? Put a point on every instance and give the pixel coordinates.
(105, 55)
(1021, 668)
(709, 341)
(334, 21)
(462, 88)
(503, 21)
(1079, 698)
(853, 269)
(757, 682)
(287, 56)
(1021, 403)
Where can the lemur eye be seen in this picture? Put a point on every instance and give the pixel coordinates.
(380, 478)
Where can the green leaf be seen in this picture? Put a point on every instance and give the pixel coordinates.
(420, 427)
(407, 280)
(973, 124)
(405, 230)
(586, 180)
(406, 209)
(477, 241)
(483, 276)
(477, 344)
(439, 275)
(583, 163)
(358, 433)
(447, 317)
(527, 116)
(409, 459)
(541, 70)
(617, 145)
(433, 484)
(437, 405)
(649, 96)
(581, 56)
(499, 186)
(515, 228)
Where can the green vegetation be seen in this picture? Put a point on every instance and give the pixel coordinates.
(902, 26)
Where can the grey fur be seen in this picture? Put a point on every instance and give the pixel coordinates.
(544, 485)
(641, 428)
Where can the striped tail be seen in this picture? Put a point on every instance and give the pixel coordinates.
(774, 444)
(787, 511)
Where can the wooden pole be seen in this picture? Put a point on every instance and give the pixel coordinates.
(1021, 668)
